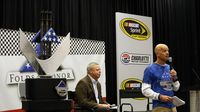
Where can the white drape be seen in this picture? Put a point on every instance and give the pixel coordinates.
(195, 101)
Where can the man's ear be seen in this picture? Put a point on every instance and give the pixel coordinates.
(90, 72)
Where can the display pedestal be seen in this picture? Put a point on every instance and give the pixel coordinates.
(41, 96)
(47, 105)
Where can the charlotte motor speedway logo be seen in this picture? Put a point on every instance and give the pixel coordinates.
(132, 58)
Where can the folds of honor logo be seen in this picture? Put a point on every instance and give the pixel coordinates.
(61, 88)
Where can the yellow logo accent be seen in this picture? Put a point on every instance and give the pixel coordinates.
(132, 84)
(135, 29)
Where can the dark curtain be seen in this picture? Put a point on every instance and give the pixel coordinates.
(175, 23)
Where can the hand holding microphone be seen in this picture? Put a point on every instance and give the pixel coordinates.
(170, 63)
(173, 72)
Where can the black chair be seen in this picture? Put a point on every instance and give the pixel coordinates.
(128, 104)
(76, 107)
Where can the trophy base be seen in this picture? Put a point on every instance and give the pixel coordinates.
(43, 88)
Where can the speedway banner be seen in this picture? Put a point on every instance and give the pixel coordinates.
(134, 54)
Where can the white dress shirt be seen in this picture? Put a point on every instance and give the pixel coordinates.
(94, 83)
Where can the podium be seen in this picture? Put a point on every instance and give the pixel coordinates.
(132, 94)
(46, 95)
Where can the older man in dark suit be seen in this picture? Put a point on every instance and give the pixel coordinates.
(88, 89)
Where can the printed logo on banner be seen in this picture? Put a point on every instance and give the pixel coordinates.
(135, 29)
(27, 71)
(132, 84)
(61, 88)
(132, 58)
(125, 58)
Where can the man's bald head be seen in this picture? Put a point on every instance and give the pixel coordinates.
(162, 53)
(160, 47)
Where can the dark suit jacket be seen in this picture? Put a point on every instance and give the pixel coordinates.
(85, 93)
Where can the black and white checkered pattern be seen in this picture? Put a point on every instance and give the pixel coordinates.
(85, 47)
(9, 44)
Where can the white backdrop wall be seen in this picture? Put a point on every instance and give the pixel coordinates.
(134, 53)
(73, 67)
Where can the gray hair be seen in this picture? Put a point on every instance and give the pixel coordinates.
(90, 65)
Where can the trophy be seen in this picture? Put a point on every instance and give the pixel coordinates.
(45, 91)
(45, 64)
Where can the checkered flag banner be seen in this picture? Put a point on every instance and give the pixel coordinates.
(9, 44)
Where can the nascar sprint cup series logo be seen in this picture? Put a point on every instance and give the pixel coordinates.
(135, 29)
(132, 84)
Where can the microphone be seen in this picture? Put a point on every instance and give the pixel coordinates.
(174, 77)
(170, 63)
